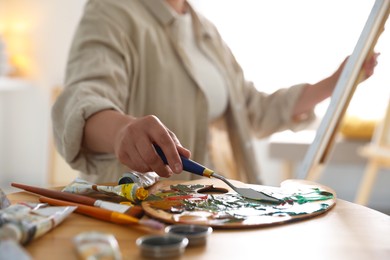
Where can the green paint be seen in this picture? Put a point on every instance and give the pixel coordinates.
(230, 208)
(314, 195)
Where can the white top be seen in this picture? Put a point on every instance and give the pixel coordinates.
(206, 73)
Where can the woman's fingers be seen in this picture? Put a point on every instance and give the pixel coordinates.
(134, 147)
(152, 160)
(369, 65)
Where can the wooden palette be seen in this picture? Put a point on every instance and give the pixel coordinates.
(211, 202)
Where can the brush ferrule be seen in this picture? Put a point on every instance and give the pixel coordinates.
(112, 206)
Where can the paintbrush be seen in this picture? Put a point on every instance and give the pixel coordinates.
(134, 211)
(104, 214)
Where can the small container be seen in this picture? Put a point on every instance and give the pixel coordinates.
(196, 234)
(162, 246)
(97, 245)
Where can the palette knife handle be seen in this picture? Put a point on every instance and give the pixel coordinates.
(188, 164)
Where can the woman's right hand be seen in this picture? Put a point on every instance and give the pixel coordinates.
(134, 146)
(131, 139)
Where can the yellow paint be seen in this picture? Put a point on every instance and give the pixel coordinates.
(133, 192)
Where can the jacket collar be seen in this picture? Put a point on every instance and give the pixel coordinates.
(166, 15)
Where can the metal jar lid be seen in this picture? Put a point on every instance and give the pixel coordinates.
(196, 234)
(162, 246)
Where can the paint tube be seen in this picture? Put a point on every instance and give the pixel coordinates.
(4, 202)
(23, 224)
(143, 179)
(96, 245)
(131, 191)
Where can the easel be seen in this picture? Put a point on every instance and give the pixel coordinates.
(352, 74)
(378, 154)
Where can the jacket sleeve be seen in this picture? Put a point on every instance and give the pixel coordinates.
(270, 113)
(97, 76)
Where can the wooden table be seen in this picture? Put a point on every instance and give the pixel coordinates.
(347, 231)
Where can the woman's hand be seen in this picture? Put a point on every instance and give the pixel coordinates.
(134, 147)
(369, 65)
(131, 140)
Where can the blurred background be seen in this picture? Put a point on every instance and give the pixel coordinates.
(278, 43)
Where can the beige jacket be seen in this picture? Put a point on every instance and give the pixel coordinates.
(125, 57)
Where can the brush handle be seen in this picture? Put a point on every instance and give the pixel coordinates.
(56, 194)
(133, 211)
(188, 164)
(98, 213)
(91, 211)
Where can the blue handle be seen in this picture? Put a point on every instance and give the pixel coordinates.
(188, 165)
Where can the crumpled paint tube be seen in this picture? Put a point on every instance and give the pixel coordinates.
(23, 224)
(97, 245)
(4, 202)
(143, 179)
(131, 191)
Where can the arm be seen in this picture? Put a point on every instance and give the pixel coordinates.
(314, 94)
(88, 117)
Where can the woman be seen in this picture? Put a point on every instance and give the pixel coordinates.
(144, 72)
